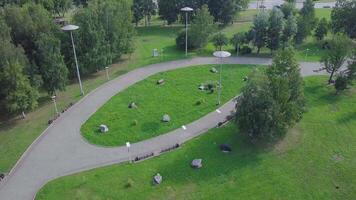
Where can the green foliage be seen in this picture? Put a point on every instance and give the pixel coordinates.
(202, 27)
(223, 11)
(287, 85)
(273, 101)
(16, 93)
(200, 31)
(260, 30)
(341, 83)
(256, 109)
(237, 40)
(289, 31)
(52, 68)
(143, 9)
(107, 25)
(343, 17)
(306, 21)
(220, 40)
(27, 23)
(288, 9)
(336, 53)
(275, 29)
(321, 29)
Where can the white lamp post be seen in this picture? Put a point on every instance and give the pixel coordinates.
(221, 55)
(55, 104)
(186, 10)
(128, 145)
(70, 29)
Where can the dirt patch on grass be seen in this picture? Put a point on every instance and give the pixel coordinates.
(290, 141)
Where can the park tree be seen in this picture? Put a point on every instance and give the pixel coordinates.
(343, 17)
(224, 11)
(143, 9)
(306, 21)
(53, 71)
(321, 29)
(273, 101)
(220, 40)
(28, 23)
(61, 7)
(289, 31)
(202, 27)
(336, 53)
(137, 11)
(275, 29)
(237, 40)
(256, 110)
(107, 25)
(16, 93)
(288, 9)
(287, 85)
(260, 30)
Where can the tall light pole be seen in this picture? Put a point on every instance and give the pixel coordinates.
(128, 145)
(70, 29)
(55, 104)
(107, 73)
(221, 55)
(186, 10)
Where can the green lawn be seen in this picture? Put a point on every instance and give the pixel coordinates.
(17, 134)
(177, 98)
(316, 160)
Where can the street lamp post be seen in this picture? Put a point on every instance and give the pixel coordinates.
(186, 10)
(128, 145)
(107, 73)
(221, 55)
(55, 104)
(70, 29)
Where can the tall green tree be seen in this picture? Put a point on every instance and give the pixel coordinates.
(16, 93)
(202, 27)
(289, 31)
(275, 29)
(260, 30)
(343, 17)
(143, 9)
(337, 52)
(306, 21)
(321, 29)
(256, 110)
(52, 68)
(28, 24)
(107, 25)
(237, 40)
(220, 40)
(287, 85)
(273, 101)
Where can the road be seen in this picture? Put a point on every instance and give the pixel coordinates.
(269, 4)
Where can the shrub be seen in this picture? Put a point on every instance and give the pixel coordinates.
(245, 50)
(341, 83)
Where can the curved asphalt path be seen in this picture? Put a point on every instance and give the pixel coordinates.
(61, 150)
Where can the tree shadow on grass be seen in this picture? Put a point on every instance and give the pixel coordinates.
(347, 118)
(150, 127)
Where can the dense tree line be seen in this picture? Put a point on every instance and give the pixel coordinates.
(143, 9)
(35, 55)
(223, 11)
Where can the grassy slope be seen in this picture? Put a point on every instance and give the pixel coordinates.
(16, 134)
(315, 158)
(181, 88)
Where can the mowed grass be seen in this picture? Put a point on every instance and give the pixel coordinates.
(17, 134)
(178, 98)
(314, 161)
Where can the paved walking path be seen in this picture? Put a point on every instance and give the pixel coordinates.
(61, 150)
